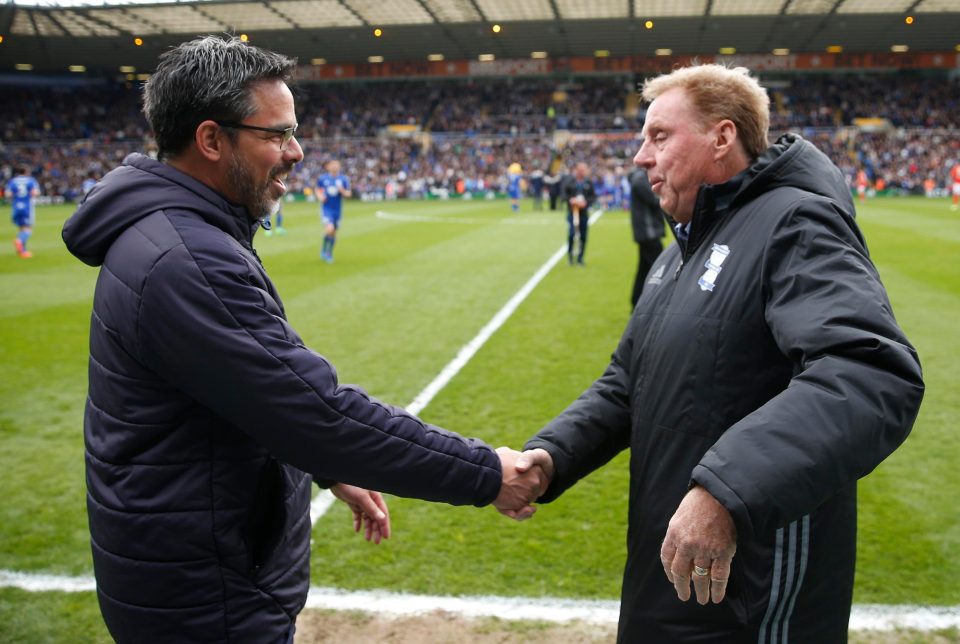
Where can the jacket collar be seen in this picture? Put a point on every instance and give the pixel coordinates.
(233, 219)
(712, 203)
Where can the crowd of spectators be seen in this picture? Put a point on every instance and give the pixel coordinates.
(905, 101)
(460, 136)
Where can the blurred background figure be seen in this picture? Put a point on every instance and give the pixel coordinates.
(579, 193)
(955, 185)
(332, 187)
(536, 186)
(276, 226)
(514, 188)
(89, 182)
(22, 191)
(646, 219)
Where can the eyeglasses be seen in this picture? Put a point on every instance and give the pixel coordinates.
(283, 135)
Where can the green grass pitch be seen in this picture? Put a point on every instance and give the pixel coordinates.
(400, 301)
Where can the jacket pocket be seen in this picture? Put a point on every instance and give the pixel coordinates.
(263, 530)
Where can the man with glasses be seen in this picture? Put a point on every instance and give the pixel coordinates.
(207, 415)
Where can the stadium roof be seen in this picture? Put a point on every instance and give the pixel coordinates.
(49, 35)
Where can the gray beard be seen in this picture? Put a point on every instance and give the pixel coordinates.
(255, 198)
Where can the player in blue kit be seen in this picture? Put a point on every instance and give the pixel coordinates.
(22, 190)
(277, 225)
(332, 187)
(514, 175)
(88, 183)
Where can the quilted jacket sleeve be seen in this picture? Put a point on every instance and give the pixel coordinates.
(210, 329)
(857, 385)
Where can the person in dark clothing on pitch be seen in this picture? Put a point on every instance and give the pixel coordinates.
(646, 220)
(536, 186)
(554, 182)
(754, 384)
(579, 194)
(207, 416)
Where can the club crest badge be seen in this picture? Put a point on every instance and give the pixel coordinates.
(657, 277)
(718, 254)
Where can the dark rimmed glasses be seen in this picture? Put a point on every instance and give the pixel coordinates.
(283, 135)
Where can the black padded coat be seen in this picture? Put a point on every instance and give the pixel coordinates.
(763, 362)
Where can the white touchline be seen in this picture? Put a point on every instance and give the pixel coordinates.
(865, 617)
(322, 502)
(470, 349)
(433, 219)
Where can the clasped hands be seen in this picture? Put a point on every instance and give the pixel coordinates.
(526, 476)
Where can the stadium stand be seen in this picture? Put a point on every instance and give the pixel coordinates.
(410, 139)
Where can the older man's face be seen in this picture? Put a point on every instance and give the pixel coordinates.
(258, 168)
(677, 153)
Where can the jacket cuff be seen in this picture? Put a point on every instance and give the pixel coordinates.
(727, 498)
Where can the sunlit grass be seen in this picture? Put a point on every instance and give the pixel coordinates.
(397, 305)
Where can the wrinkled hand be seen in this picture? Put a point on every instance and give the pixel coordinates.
(526, 477)
(518, 489)
(369, 510)
(700, 535)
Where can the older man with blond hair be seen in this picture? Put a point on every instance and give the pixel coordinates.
(761, 374)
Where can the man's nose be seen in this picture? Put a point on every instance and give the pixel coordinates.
(642, 159)
(293, 151)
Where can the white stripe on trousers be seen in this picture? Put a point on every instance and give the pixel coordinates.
(780, 608)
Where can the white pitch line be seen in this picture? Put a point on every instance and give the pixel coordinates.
(40, 583)
(470, 349)
(432, 219)
(322, 502)
(391, 604)
(864, 617)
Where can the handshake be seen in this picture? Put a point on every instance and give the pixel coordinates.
(526, 477)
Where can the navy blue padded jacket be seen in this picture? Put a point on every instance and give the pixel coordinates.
(207, 417)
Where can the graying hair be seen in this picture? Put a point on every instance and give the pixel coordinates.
(206, 78)
(718, 92)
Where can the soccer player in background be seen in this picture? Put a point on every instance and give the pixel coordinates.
(332, 186)
(955, 186)
(22, 189)
(862, 183)
(514, 174)
(277, 225)
(89, 182)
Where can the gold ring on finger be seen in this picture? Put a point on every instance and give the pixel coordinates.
(700, 571)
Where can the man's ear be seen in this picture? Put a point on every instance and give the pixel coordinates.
(210, 140)
(726, 138)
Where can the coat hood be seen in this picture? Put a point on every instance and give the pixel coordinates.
(796, 163)
(137, 188)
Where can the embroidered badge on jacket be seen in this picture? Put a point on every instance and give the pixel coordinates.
(714, 265)
(657, 277)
